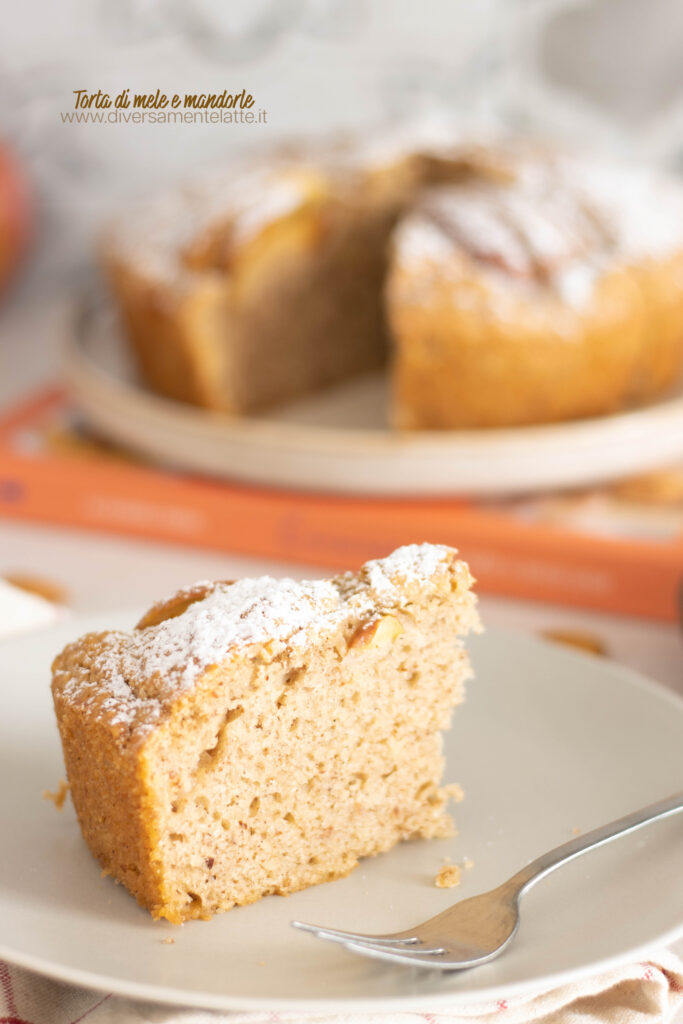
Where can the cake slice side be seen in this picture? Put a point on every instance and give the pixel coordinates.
(306, 746)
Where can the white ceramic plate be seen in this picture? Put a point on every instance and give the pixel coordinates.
(549, 741)
(339, 441)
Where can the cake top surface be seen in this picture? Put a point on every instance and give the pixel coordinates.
(134, 675)
(525, 213)
(239, 199)
(245, 199)
(557, 220)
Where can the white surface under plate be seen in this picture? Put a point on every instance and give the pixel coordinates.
(339, 440)
(549, 741)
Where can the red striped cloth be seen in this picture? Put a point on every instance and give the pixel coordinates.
(647, 992)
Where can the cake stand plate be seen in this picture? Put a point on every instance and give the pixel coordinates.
(339, 440)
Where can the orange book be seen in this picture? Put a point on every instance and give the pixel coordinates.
(618, 548)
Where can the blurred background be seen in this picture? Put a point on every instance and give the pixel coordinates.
(603, 75)
(604, 72)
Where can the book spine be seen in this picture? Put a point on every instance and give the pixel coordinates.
(508, 558)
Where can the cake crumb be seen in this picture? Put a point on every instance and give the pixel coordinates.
(168, 941)
(579, 638)
(59, 797)
(38, 585)
(576, 831)
(467, 863)
(448, 877)
(455, 792)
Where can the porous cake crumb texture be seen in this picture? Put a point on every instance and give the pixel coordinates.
(262, 736)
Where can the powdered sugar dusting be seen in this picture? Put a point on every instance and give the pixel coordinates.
(575, 284)
(251, 611)
(133, 674)
(557, 226)
(410, 563)
(418, 239)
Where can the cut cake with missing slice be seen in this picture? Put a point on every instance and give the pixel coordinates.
(260, 736)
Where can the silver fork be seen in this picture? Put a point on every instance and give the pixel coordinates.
(478, 929)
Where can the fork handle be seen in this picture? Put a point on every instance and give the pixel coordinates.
(543, 865)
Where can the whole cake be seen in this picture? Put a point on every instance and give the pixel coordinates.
(500, 285)
(260, 736)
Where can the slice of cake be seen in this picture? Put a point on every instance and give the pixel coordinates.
(258, 737)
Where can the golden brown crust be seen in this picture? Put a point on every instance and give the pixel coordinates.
(109, 792)
(178, 603)
(461, 367)
(176, 333)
